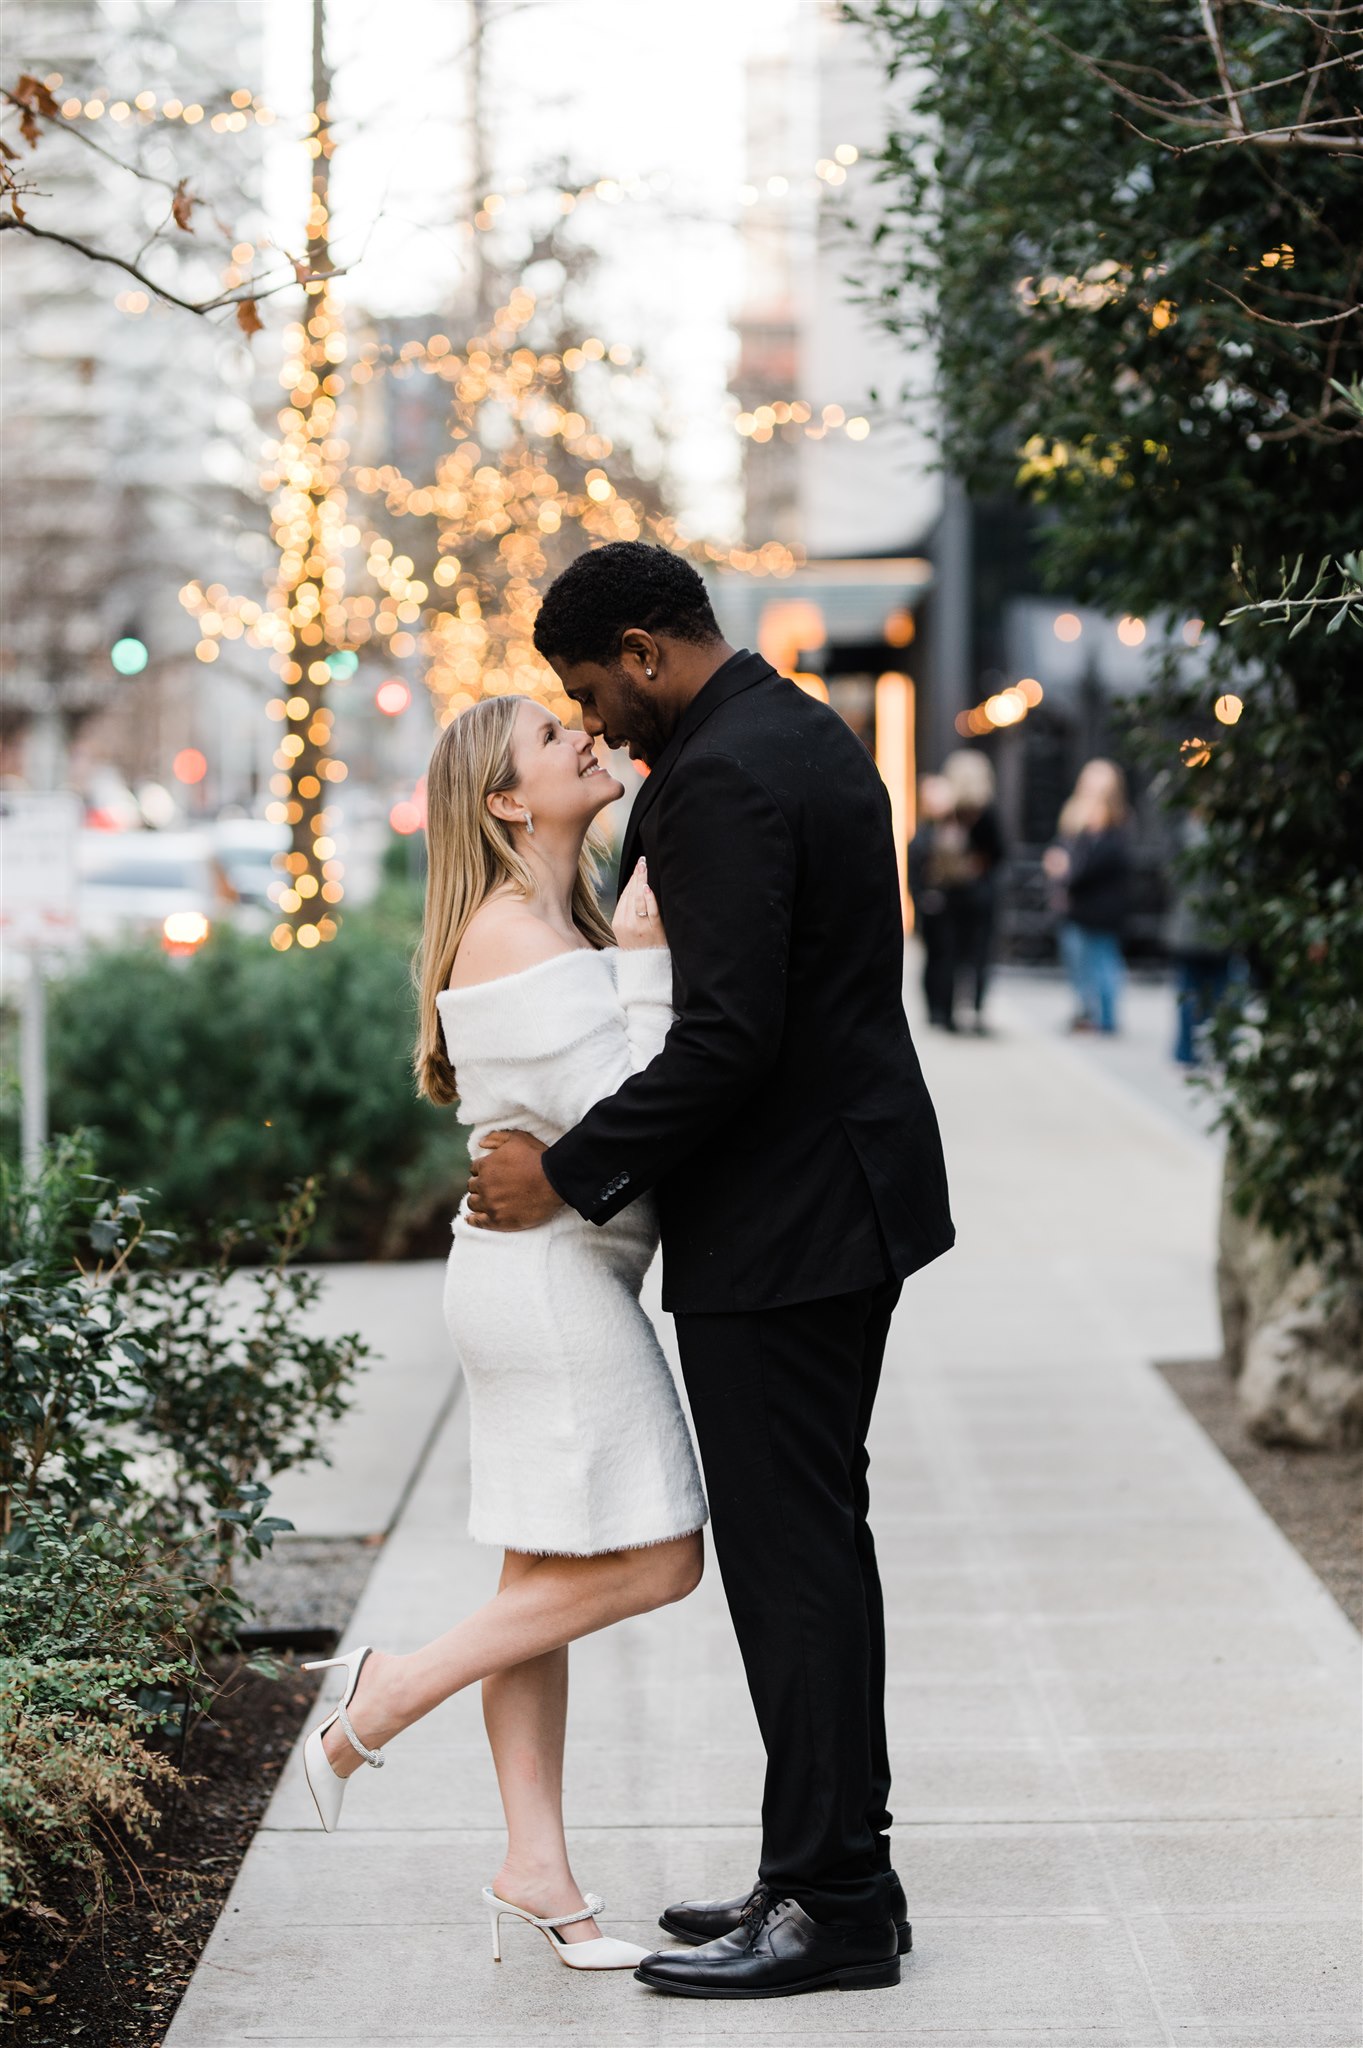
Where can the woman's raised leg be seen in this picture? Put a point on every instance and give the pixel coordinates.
(547, 1603)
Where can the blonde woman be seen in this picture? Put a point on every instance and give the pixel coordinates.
(532, 1008)
(1091, 866)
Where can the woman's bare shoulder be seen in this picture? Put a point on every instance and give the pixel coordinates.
(504, 937)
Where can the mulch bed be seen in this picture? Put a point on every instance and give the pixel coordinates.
(113, 1980)
(1315, 1497)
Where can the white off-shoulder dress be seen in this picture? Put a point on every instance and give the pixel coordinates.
(578, 1440)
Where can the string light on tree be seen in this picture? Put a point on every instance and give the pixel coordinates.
(797, 414)
(506, 519)
(307, 621)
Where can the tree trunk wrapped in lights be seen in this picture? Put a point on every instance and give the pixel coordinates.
(307, 619)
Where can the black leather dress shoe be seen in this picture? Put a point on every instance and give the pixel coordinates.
(777, 1951)
(697, 1920)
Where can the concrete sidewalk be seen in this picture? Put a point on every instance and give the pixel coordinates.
(1123, 1712)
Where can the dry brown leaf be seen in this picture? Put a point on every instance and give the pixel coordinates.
(29, 128)
(182, 206)
(248, 317)
(34, 93)
(16, 209)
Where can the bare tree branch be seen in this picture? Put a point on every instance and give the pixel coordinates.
(1212, 30)
(88, 141)
(1325, 320)
(1228, 129)
(248, 296)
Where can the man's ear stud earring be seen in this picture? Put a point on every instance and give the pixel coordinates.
(649, 673)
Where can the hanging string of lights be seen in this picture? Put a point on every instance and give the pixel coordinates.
(828, 171)
(797, 413)
(241, 109)
(1004, 708)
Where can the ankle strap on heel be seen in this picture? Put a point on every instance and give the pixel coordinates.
(595, 1904)
(371, 1756)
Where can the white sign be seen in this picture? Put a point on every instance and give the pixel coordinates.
(39, 832)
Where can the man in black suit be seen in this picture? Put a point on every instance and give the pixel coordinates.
(789, 1138)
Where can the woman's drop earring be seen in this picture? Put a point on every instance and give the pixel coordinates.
(529, 824)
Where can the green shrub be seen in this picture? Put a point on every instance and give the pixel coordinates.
(220, 1079)
(93, 1658)
(144, 1409)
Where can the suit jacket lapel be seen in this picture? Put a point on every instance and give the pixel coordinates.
(738, 673)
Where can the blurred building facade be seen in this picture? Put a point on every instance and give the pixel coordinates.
(904, 575)
(131, 428)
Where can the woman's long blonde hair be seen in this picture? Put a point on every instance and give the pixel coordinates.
(1101, 786)
(469, 854)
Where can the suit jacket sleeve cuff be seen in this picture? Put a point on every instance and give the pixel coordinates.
(593, 1204)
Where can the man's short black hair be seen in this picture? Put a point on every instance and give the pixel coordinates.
(589, 607)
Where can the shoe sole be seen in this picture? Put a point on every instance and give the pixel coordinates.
(903, 1929)
(857, 1977)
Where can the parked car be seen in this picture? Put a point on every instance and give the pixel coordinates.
(245, 849)
(172, 884)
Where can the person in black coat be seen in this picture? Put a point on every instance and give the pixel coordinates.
(937, 841)
(789, 1136)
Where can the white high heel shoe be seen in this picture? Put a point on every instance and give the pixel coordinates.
(326, 1788)
(605, 1953)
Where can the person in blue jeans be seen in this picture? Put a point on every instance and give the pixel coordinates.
(1093, 862)
(1199, 947)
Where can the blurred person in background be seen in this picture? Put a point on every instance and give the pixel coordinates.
(938, 837)
(970, 882)
(1092, 861)
(1204, 965)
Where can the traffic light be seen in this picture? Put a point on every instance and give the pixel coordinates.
(128, 655)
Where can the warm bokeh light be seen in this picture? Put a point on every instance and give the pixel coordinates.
(1228, 708)
(1068, 626)
(189, 765)
(1006, 708)
(787, 628)
(898, 769)
(899, 628)
(184, 931)
(1130, 631)
(392, 696)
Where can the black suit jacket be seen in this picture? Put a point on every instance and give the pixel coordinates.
(785, 1124)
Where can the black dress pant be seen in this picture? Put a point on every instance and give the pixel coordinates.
(967, 945)
(781, 1400)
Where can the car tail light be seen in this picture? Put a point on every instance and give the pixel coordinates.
(184, 931)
